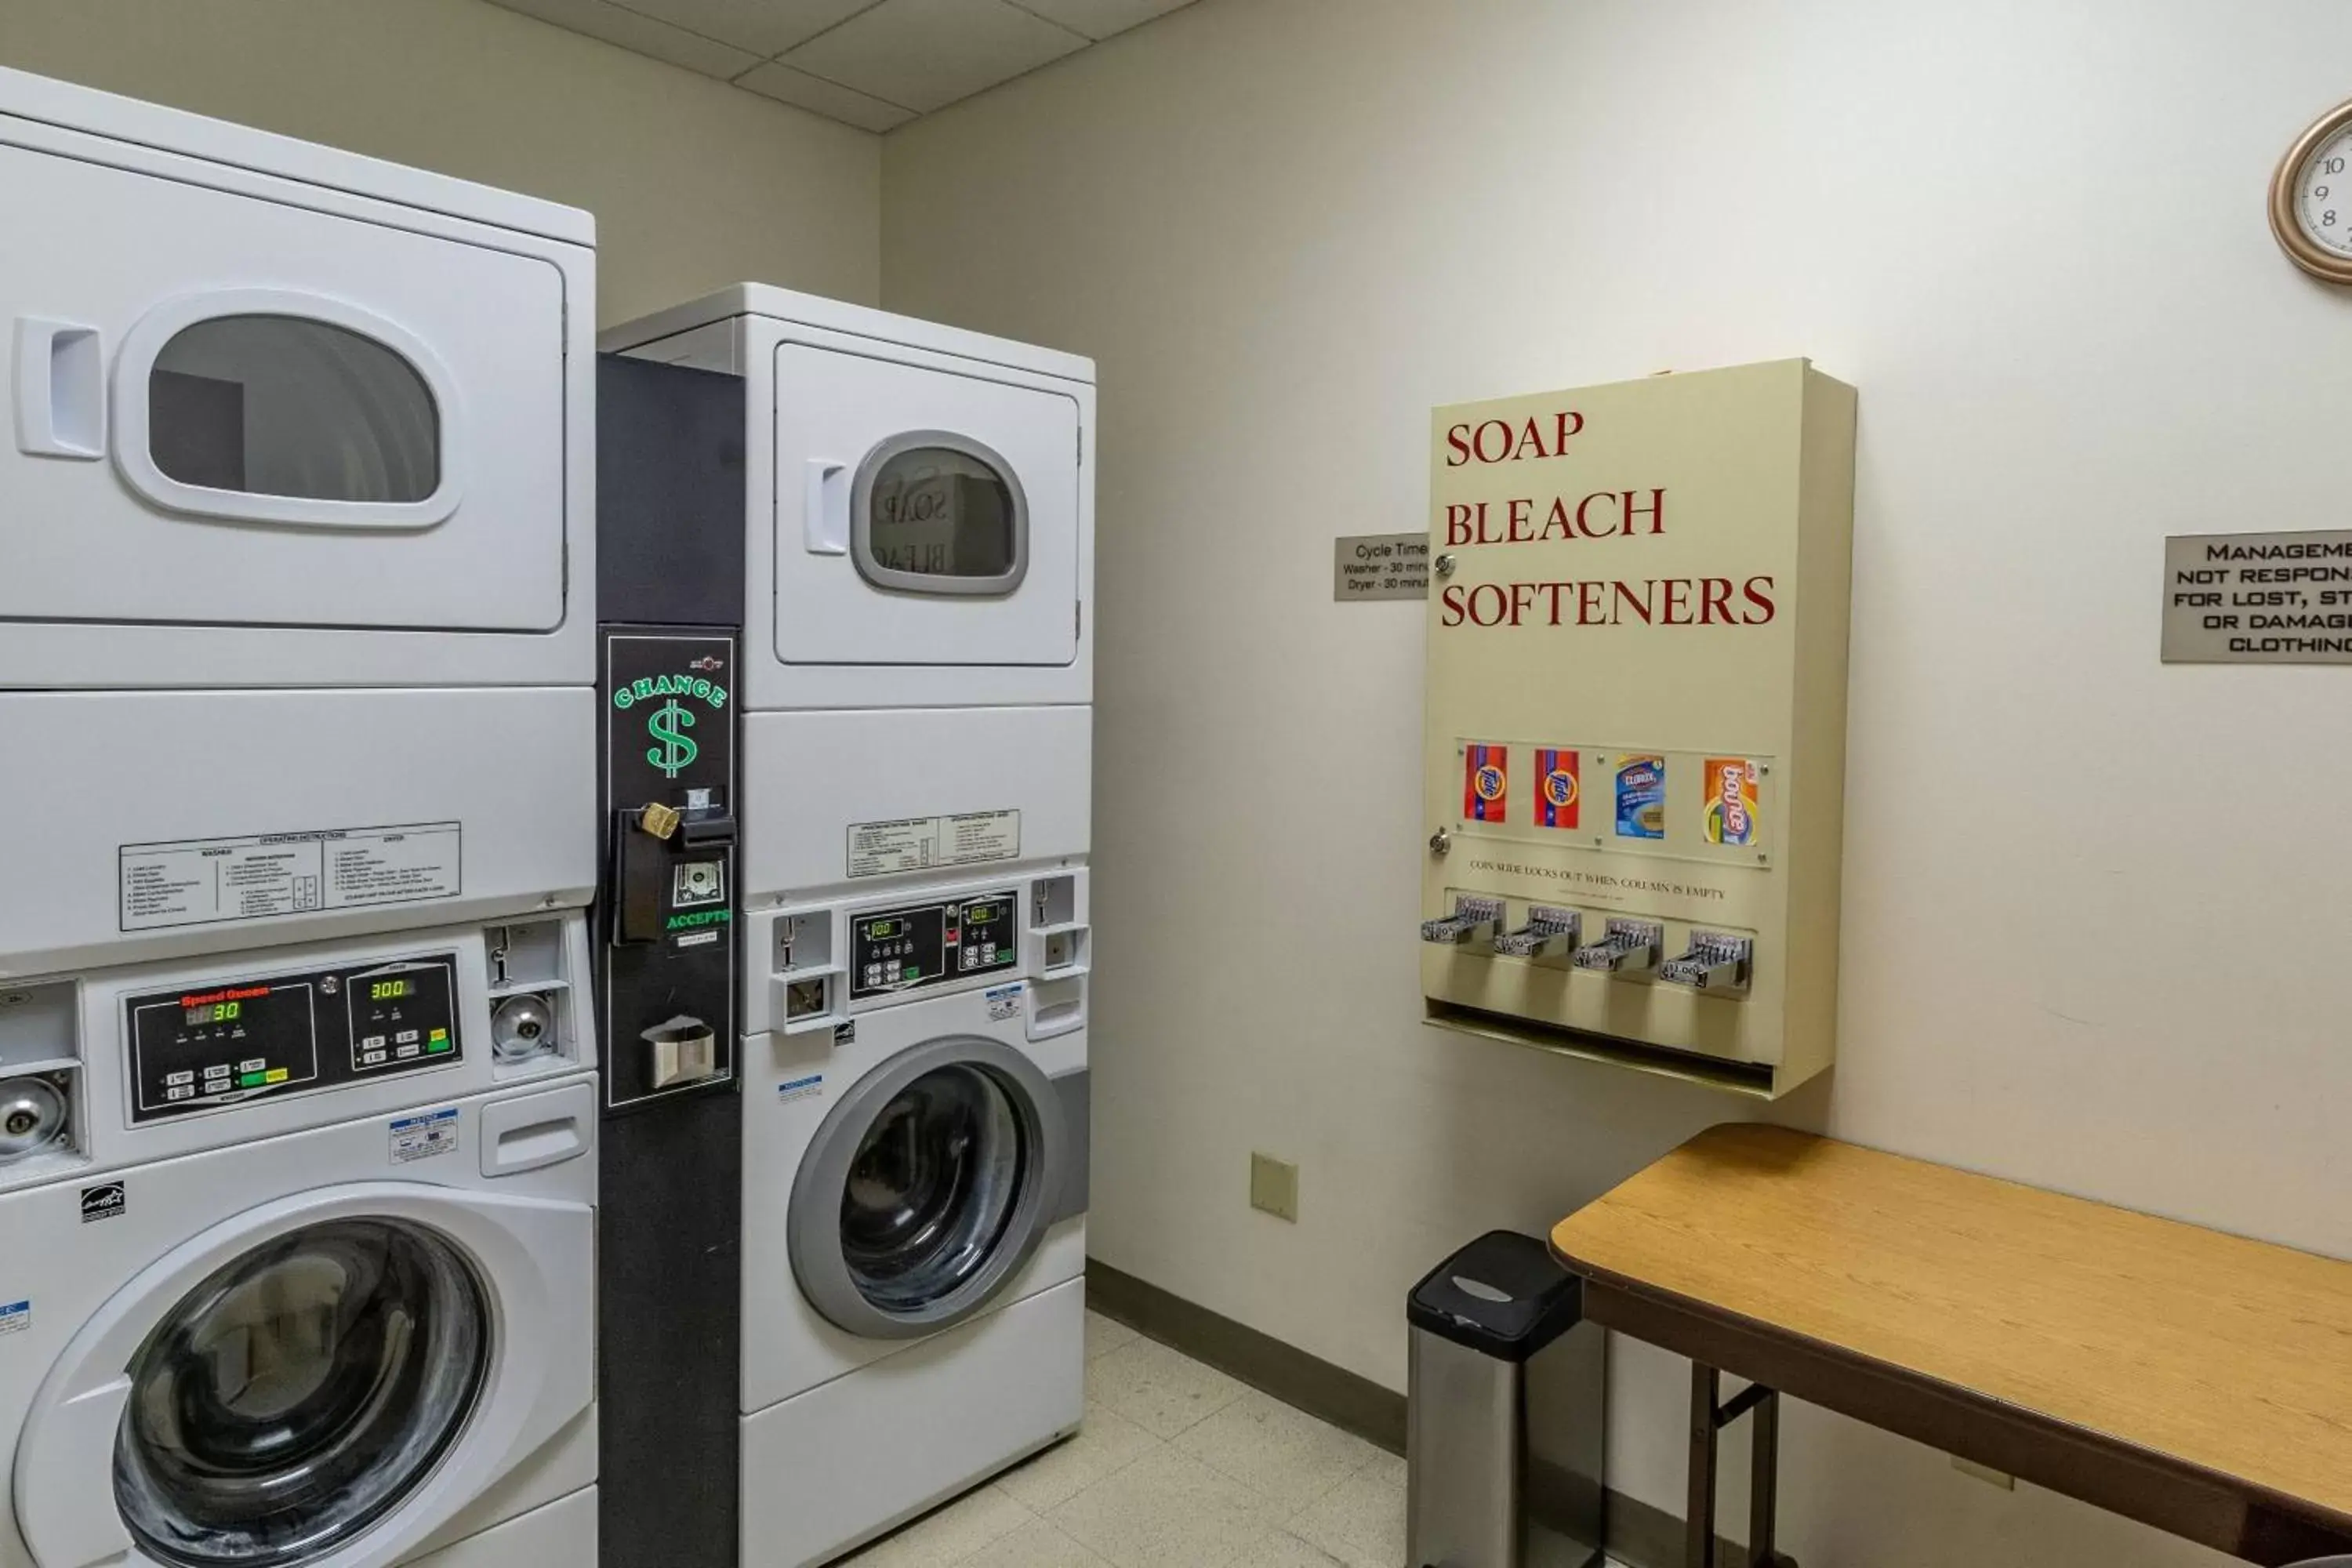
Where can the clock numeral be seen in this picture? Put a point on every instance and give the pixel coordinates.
(2327, 220)
(2333, 166)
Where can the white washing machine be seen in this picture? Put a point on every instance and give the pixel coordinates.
(318, 1291)
(914, 1230)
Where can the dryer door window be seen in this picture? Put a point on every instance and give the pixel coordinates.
(937, 514)
(292, 406)
(926, 1188)
(298, 1394)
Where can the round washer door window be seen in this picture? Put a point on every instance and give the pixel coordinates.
(932, 1188)
(926, 1188)
(297, 1394)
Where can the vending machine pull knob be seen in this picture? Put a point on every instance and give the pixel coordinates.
(1715, 962)
(1626, 948)
(1473, 919)
(1548, 933)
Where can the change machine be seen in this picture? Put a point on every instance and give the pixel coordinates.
(670, 564)
(1635, 743)
(915, 689)
(295, 640)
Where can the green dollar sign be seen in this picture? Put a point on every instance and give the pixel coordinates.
(675, 750)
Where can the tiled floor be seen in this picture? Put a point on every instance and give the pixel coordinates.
(1178, 1467)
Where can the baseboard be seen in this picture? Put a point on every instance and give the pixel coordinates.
(1640, 1536)
(1328, 1392)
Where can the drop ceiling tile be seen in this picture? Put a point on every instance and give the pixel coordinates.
(762, 27)
(1100, 18)
(639, 34)
(926, 54)
(821, 97)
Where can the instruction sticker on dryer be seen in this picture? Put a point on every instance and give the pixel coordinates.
(16, 1317)
(206, 881)
(1005, 1002)
(921, 843)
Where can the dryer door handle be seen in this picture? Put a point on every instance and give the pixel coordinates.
(60, 390)
(825, 516)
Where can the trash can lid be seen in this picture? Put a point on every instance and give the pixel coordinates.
(1504, 1295)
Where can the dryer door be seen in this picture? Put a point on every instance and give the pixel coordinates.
(227, 410)
(928, 1186)
(323, 1382)
(923, 516)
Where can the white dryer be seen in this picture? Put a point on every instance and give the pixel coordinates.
(913, 1231)
(298, 550)
(318, 1291)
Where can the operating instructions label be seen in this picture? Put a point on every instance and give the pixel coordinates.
(2258, 598)
(920, 843)
(206, 881)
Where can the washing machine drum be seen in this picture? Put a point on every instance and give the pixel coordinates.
(928, 1186)
(298, 1394)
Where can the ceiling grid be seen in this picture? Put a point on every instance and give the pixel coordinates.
(874, 64)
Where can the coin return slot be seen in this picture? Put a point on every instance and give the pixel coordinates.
(805, 998)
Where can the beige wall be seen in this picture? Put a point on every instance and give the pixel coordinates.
(2094, 905)
(694, 184)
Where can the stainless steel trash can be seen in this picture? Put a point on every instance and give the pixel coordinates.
(1508, 1406)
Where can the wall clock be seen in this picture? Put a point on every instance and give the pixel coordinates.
(2311, 197)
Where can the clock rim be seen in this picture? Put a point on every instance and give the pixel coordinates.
(2305, 252)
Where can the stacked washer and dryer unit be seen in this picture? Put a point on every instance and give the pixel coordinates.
(916, 745)
(298, 1114)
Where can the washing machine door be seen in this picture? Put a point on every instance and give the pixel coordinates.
(323, 1382)
(923, 516)
(929, 1185)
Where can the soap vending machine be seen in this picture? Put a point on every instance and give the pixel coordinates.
(295, 629)
(670, 543)
(1635, 736)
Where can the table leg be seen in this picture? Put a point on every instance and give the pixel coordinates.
(1698, 1549)
(1764, 1481)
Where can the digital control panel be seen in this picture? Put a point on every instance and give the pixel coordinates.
(197, 1049)
(932, 944)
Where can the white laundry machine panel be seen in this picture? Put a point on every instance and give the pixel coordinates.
(142, 1063)
(919, 507)
(346, 1347)
(284, 416)
(827, 1470)
(871, 797)
(188, 822)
